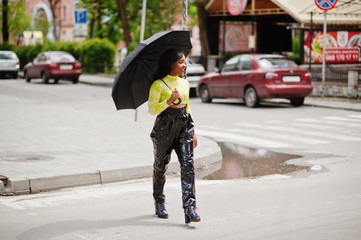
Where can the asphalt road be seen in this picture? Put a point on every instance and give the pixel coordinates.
(323, 203)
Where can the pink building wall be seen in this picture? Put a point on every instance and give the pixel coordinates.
(64, 14)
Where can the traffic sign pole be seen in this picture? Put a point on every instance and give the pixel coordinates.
(324, 5)
(324, 54)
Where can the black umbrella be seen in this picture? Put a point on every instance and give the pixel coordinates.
(132, 82)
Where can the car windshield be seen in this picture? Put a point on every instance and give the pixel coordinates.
(276, 63)
(7, 55)
(57, 57)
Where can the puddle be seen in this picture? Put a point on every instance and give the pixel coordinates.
(241, 162)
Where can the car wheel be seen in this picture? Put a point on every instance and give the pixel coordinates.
(56, 80)
(15, 75)
(205, 95)
(45, 78)
(27, 78)
(75, 80)
(296, 102)
(251, 98)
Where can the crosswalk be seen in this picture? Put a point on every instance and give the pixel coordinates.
(285, 134)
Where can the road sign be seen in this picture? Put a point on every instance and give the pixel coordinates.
(81, 16)
(325, 5)
(236, 7)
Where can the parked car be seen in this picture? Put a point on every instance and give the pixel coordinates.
(254, 77)
(53, 65)
(194, 73)
(9, 64)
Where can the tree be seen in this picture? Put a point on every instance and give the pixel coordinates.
(201, 4)
(5, 26)
(120, 20)
(53, 5)
(19, 19)
(125, 22)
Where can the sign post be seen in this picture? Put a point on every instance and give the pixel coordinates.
(324, 5)
(80, 26)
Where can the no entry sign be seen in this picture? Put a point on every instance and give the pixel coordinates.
(325, 5)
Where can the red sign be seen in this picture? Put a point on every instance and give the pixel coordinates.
(325, 5)
(236, 7)
(342, 55)
(237, 37)
(345, 40)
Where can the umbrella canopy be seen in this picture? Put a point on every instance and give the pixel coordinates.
(132, 82)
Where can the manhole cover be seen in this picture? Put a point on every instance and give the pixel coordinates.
(25, 158)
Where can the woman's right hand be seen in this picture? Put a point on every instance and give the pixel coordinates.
(175, 95)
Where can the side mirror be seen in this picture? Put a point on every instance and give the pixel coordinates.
(217, 70)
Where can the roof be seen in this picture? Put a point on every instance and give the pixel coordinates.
(346, 12)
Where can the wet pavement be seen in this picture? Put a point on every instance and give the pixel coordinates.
(242, 162)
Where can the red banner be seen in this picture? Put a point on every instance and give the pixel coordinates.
(346, 44)
(342, 54)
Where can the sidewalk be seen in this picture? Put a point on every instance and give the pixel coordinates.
(52, 140)
(43, 149)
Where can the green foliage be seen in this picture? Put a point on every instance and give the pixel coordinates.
(296, 45)
(160, 16)
(23, 54)
(19, 19)
(6, 46)
(97, 55)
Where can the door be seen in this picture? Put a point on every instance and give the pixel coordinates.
(220, 83)
(239, 79)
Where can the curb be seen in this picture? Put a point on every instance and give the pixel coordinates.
(203, 166)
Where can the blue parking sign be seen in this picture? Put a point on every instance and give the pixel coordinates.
(81, 16)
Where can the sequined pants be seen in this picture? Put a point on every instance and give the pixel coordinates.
(173, 129)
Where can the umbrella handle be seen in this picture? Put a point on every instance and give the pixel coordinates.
(177, 103)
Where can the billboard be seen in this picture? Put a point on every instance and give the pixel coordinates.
(238, 37)
(341, 46)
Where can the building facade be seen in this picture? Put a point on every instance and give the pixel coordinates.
(61, 27)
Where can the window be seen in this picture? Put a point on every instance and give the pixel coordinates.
(276, 63)
(244, 64)
(231, 65)
(62, 13)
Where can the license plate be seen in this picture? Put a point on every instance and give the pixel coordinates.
(291, 79)
(66, 67)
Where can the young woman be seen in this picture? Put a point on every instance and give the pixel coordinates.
(173, 129)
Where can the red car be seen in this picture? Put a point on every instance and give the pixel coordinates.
(257, 76)
(53, 65)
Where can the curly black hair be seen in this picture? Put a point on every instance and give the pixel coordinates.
(167, 61)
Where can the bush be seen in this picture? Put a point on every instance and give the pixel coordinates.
(97, 55)
(22, 52)
(7, 46)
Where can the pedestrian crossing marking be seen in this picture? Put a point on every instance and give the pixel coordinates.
(244, 139)
(298, 131)
(310, 120)
(336, 118)
(282, 134)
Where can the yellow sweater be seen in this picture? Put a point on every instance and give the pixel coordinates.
(159, 93)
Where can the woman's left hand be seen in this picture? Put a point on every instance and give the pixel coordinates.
(195, 141)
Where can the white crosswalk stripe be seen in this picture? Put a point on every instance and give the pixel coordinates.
(243, 139)
(283, 134)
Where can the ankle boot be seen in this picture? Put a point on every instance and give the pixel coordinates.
(160, 210)
(190, 214)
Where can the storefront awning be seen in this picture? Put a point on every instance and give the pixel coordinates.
(218, 7)
(346, 12)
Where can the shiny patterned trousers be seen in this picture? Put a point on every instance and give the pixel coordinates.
(173, 129)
